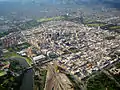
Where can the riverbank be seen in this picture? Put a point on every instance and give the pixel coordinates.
(27, 81)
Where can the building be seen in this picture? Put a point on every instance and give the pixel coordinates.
(11, 39)
(39, 58)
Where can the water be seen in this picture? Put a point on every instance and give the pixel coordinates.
(27, 82)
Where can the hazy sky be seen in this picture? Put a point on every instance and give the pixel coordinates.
(8, 0)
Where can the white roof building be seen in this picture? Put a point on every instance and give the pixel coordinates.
(38, 58)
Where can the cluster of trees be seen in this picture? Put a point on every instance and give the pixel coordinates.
(19, 47)
(9, 82)
(76, 84)
(28, 25)
(101, 82)
(2, 34)
(40, 79)
(15, 66)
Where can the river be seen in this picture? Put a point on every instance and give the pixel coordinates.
(27, 82)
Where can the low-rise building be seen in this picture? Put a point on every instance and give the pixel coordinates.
(39, 58)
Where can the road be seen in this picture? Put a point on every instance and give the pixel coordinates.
(56, 80)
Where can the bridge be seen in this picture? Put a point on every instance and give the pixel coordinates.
(37, 64)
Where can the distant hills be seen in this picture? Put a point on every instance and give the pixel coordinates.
(36, 7)
(64, 1)
(111, 2)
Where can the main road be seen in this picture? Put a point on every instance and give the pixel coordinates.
(56, 80)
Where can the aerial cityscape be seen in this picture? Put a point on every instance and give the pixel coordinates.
(59, 45)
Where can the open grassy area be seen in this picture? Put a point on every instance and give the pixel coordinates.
(13, 54)
(10, 54)
(13, 50)
(115, 27)
(95, 25)
(88, 20)
(50, 19)
(29, 61)
(2, 73)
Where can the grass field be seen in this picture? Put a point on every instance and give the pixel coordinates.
(13, 54)
(29, 61)
(115, 27)
(10, 54)
(95, 25)
(2, 73)
(50, 19)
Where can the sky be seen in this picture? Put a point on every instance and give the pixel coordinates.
(14, 0)
(61, 0)
(9, 0)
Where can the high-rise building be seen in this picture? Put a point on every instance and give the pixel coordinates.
(9, 40)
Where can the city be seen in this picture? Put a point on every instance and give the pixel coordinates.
(75, 48)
